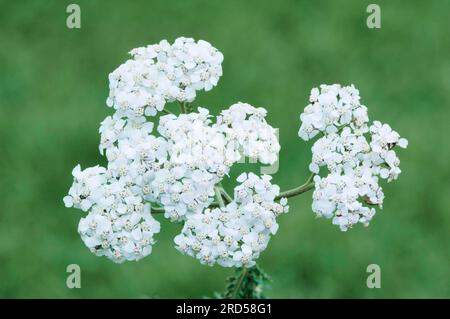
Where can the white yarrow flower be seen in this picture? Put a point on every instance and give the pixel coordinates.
(235, 235)
(355, 156)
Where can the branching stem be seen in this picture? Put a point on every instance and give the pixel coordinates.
(167, 111)
(225, 195)
(308, 185)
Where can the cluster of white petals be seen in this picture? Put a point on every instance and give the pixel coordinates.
(200, 156)
(162, 73)
(235, 235)
(119, 224)
(178, 166)
(355, 155)
(246, 126)
(332, 107)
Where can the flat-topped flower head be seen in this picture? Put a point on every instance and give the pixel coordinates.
(178, 166)
(355, 155)
(202, 153)
(119, 224)
(177, 162)
(235, 235)
(162, 73)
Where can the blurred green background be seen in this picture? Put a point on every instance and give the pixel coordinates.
(53, 87)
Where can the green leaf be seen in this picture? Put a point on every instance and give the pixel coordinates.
(246, 283)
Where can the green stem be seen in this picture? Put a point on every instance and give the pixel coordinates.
(160, 210)
(239, 284)
(166, 111)
(157, 210)
(226, 196)
(308, 185)
(219, 196)
(183, 107)
(214, 204)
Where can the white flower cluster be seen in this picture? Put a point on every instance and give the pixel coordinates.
(355, 162)
(163, 73)
(199, 158)
(178, 169)
(235, 235)
(245, 125)
(201, 154)
(119, 225)
(179, 166)
(330, 108)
